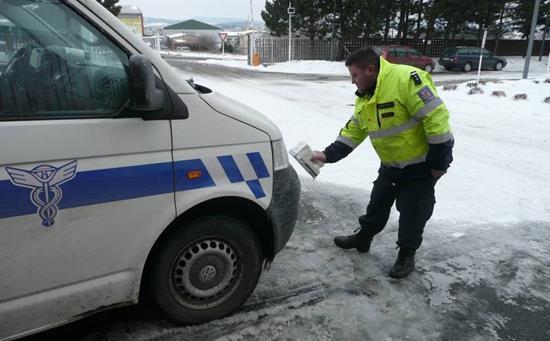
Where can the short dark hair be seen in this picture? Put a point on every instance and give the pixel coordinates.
(363, 58)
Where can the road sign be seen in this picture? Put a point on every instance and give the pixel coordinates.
(222, 35)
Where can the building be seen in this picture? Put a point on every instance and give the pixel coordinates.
(177, 41)
(195, 28)
(132, 17)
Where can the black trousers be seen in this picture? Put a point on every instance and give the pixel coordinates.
(412, 188)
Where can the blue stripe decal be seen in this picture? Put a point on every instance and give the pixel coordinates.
(106, 185)
(256, 188)
(94, 187)
(258, 164)
(183, 183)
(123, 183)
(231, 169)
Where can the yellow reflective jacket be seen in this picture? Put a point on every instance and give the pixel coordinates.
(402, 116)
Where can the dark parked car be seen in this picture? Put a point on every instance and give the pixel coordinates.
(405, 55)
(467, 58)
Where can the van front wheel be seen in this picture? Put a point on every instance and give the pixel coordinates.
(205, 270)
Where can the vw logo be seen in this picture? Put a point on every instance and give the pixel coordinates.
(208, 273)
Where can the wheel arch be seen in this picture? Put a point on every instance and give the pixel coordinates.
(240, 208)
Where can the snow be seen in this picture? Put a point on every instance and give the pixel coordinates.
(515, 65)
(213, 57)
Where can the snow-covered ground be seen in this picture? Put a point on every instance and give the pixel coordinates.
(502, 147)
(483, 271)
(515, 64)
(204, 55)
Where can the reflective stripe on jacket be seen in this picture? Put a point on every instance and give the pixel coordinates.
(401, 118)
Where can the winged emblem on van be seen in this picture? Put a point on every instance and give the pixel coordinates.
(44, 180)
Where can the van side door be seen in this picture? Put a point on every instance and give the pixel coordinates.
(83, 179)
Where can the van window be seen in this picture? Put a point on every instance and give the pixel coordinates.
(463, 52)
(59, 65)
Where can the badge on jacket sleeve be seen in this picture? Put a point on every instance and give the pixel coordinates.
(426, 95)
(416, 78)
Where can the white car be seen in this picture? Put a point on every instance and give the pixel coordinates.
(118, 177)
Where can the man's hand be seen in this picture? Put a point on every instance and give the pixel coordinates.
(438, 173)
(319, 156)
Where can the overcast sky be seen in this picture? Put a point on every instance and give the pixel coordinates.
(186, 9)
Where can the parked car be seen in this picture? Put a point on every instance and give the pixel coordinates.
(405, 55)
(467, 58)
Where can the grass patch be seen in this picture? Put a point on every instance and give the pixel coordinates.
(547, 100)
(520, 97)
(499, 94)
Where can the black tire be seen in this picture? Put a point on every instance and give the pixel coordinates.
(448, 68)
(429, 68)
(205, 270)
(467, 67)
(499, 66)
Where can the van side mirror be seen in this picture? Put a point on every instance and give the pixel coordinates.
(144, 94)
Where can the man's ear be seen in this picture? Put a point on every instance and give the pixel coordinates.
(370, 70)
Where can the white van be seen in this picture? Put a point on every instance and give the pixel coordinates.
(119, 178)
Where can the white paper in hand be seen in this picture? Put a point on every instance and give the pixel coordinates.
(303, 154)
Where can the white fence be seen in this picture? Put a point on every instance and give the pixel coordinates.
(153, 42)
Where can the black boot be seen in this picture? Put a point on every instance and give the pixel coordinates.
(404, 264)
(354, 241)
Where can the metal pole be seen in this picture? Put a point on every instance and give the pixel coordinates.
(252, 24)
(333, 31)
(289, 32)
(157, 38)
(531, 38)
(543, 39)
(481, 55)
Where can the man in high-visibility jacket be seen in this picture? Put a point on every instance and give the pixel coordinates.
(397, 106)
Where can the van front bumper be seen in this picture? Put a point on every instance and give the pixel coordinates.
(283, 210)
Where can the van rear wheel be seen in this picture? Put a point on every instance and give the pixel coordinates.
(468, 67)
(205, 270)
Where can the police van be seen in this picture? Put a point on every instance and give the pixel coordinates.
(121, 180)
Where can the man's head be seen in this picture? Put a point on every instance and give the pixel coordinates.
(363, 66)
